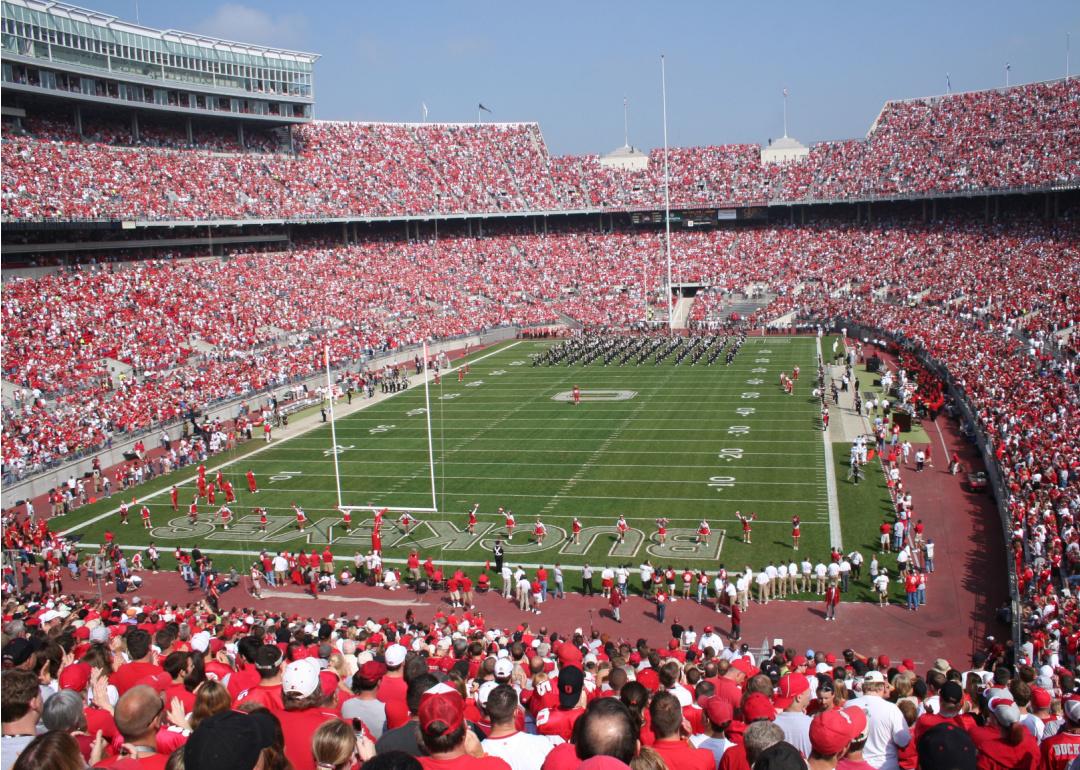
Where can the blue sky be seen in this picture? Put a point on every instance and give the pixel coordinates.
(568, 65)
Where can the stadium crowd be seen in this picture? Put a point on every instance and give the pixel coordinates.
(186, 350)
(1009, 138)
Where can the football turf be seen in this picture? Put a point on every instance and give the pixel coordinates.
(680, 441)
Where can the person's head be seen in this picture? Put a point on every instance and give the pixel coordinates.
(19, 696)
(666, 715)
(232, 740)
(138, 713)
(55, 750)
(648, 759)
(393, 760)
(617, 679)
(571, 686)
(946, 746)
(416, 689)
(607, 729)
(269, 661)
(780, 756)
(874, 684)
(212, 698)
(758, 737)
(951, 698)
(334, 746)
(501, 704)
(831, 732)
(442, 719)
(64, 711)
(1003, 712)
(301, 686)
(718, 713)
(138, 643)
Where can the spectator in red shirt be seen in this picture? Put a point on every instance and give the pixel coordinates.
(139, 714)
(1004, 743)
(667, 719)
(1060, 750)
(560, 721)
(138, 648)
(301, 690)
(447, 737)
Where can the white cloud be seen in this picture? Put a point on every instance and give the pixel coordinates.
(244, 24)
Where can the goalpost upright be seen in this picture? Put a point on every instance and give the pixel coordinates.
(333, 428)
(427, 413)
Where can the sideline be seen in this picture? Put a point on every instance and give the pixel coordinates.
(835, 538)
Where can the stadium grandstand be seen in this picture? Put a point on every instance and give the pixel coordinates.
(190, 259)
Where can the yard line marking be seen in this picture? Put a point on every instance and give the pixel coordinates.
(184, 482)
(830, 482)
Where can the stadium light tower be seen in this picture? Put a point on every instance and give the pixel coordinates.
(667, 196)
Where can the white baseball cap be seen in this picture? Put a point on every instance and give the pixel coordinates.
(395, 655)
(503, 668)
(200, 642)
(301, 677)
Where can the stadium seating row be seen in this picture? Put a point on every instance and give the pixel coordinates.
(1011, 138)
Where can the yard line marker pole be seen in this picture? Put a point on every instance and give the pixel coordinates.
(427, 414)
(333, 429)
(667, 197)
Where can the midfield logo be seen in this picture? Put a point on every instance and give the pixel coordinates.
(596, 395)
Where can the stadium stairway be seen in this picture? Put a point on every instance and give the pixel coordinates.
(681, 312)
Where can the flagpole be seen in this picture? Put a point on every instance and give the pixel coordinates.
(1008, 67)
(1068, 40)
(626, 119)
(785, 113)
(948, 83)
(333, 428)
(667, 196)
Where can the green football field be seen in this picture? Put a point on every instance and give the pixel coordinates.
(679, 441)
(688, 443)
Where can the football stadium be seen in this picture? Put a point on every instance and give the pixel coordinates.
(333, 444)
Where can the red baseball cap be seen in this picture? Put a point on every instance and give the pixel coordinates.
(832, 730)
(442, 710)
(791, 687)
(75, 677)
(745, 666)
(718, 710)
(757, 706)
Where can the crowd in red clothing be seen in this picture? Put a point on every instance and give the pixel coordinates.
(1016, 137)
(150, 679)
(189, 347)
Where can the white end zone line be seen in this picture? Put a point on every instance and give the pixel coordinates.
(226, 464)
(830, 482)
